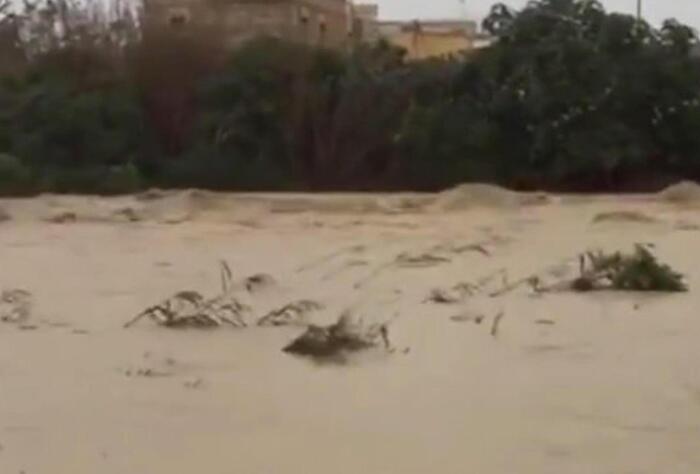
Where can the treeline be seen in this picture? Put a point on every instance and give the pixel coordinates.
(569, 97)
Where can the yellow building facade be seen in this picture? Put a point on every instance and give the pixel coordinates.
(430, 39)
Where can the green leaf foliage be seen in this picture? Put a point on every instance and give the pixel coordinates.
(568, 97)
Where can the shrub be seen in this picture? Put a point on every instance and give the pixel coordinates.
(568, 97)
(209, 168)
(15, 177)
(637, 271)
(107, 180)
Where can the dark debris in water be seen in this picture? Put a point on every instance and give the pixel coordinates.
(335, 342)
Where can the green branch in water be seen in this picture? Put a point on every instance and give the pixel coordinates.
(638, 271)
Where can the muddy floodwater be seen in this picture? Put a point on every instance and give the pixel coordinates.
(483, 382)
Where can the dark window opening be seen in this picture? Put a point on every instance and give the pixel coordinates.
(178, 20)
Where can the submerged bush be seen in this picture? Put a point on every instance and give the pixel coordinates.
(642, 271)
(638, 271)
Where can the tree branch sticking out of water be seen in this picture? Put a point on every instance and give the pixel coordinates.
(636, 271)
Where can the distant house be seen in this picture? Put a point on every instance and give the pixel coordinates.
(366, 22)
(325, 23)
(336, 24)
(432, 38)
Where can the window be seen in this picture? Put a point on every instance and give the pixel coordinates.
(178, 17)
(322, 25)
(304, 16)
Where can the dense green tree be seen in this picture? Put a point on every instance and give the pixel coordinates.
(579, 97)
(569, 96)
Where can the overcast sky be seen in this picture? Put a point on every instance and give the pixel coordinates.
(686, 11)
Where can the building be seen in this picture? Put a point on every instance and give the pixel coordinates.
(365, 22)
(326, 23)
(337, 24)
(431, 38)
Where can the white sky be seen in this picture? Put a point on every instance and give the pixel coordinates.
(686, 11)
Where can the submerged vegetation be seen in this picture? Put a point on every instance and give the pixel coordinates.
(638, 271)
(93, 99)
(337, 341)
